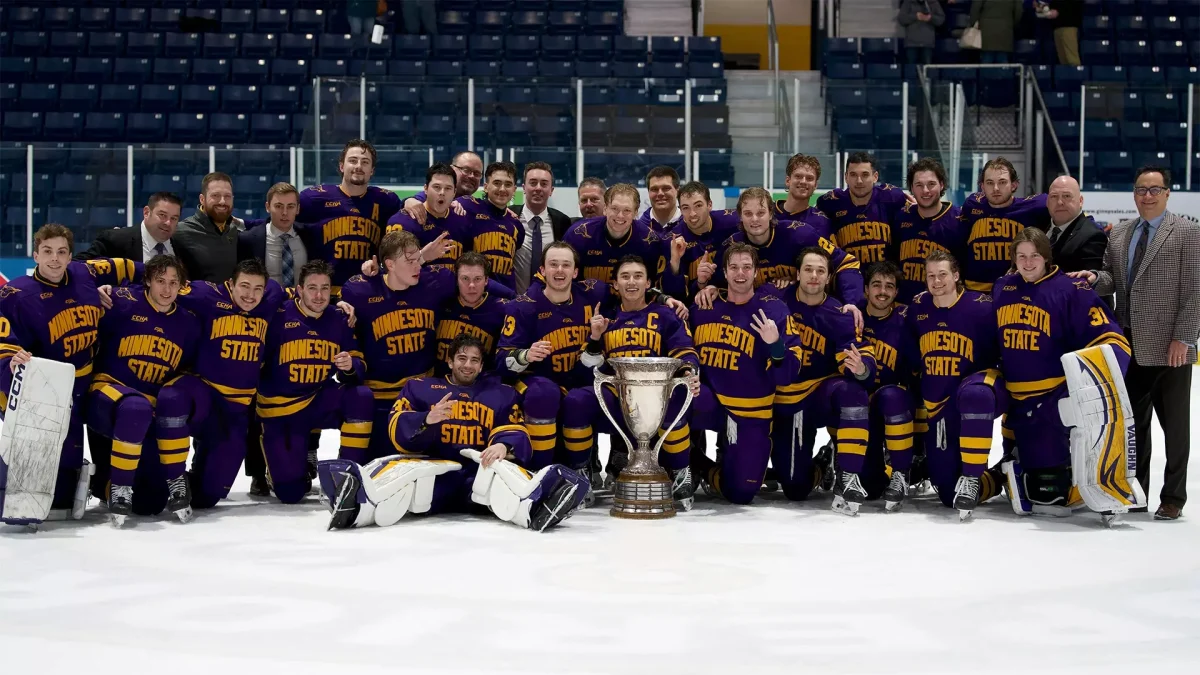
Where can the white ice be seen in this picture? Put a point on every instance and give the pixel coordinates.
(776, 587)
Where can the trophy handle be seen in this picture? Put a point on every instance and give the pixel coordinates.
(675, 382)
(601, 379)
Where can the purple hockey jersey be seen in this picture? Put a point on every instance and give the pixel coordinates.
(299, 357)
(989, 235)
(917, 237)
(142, 347)
(345, 230)
(824, 333)
(483, 320)
(864, 232)
(533, 317)
(811, 216)
(681, 284)
(599, 254)
(654, 330)
(494, 233)
(777, 259)
(886, 336)
(456, 225)
(951, 343)
(484, 413)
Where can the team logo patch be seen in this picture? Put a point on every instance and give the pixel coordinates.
(139, 318)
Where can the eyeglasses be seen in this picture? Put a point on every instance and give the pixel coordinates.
(1152, 191)
(468, 172)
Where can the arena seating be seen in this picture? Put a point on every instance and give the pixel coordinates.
(119, 72)
(1139, 58)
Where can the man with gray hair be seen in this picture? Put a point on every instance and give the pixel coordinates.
(1076, 241)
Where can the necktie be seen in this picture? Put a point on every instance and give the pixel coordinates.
(288, 263)
(160, 249)
(1054, 234)
(1139, 250)
(535, 250)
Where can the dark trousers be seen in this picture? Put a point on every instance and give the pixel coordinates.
(1166, 391)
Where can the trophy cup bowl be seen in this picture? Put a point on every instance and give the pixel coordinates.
(644, 386)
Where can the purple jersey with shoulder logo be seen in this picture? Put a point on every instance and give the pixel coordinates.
(599, 253)
(345, 230)
(483, 413)
(299, 359)
(142, 347)
(496, 234)
(990, 232)
(452, 223)
(810, 216)
(951, 343)
(533, 318)
(864, 232)
(917, 237)
(886, 337)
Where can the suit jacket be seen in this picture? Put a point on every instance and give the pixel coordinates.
(118, 242)
(252, 243)
(1081, 247)
(1164, 303)
(559, 222)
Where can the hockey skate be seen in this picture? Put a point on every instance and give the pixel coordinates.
(560, 503)
(683, 491)
(824, 464)
(966, 496)
(848, 494)
(895, 492)
(120, 504)
(179, 500)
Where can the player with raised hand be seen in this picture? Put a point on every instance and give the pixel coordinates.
(803, 172)
(601, 242)
(54, 313)
(493, 230)
(695, 240)
(312, 380)
(1042, 315)
(929, 224)
(745, 353)
(343, 223)
(468, 170)
(836, 368)
(863, 213)
(439, 218)
(461, 441)
(990, 220)
(639, 329)
(951, 333)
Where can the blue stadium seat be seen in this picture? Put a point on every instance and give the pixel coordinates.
(181, 45)
(444, 69)
(482, 69)
(277, 98)
(54, 68)
(337, 46)
(286, 71)
(59, 19)
(629, 69)
(105, 217)
(106, 44)
(401, 97)
(487, 47)
(449, 96)
(210, 71)
(491, 22)
(706, 69)
(593, 69)
(1113, 167)
(1135, 53)
(556, 69)
(1028, 52)
(603, 23)
(24, 18)
(1102, 133)
(272, 20)
(10, 96)
(143, 45)
(1098, 26)
(1114, 74)
(1149, 76)
(130, 19)
(847, 101)
(668, 70)
(1163, 106)
(228, 128)
(165, 182)
(1171, 135)
(88, 70)
(450, 47)
(841, 50)
(333, 68)
(888, 133)
(15, 69)
(62, 126)
(74, 217)
(885, 101)
(1124, 7)
(630, 48)
(372, 70)
(1058, 105)
(855, 133)
(260, 161)
(668, 48)
(1132, 27)
(104, 126)
(566, 23)
(147, 127)
(416, 47)
(187, 127)
(69, 44)
(405, 68)
(199, 98)
(297, 46)
(78, 97)
(1070, 77)
(167, 70)
(164, 20)
(94, 19)
(557, 47)
(454, 23)
(1067, 132)
(393, 129)
(38, 96)
(704, 48)
(266, 128)
(259, 45)
(120, 97)
(1167, 28)
(250, 71)
(220, 46)
(1171, 53)
(308, 21)
(1097, 52)
(884, 71)
(1138, 134)
(434, 128)
(28, 43)
(595, 47)
(879, 50)
(845, 71)
(553, 131)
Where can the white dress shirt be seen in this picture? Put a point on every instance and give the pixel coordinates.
(522, 259)
(148, 244)
(274, 259)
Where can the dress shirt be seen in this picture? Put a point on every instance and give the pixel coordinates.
(274, 259)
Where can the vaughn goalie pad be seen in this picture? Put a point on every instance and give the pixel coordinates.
(31, 440)
(1099, 413)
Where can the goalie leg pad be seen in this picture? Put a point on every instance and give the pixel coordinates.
(391, 486)
(39, 468)
(536, 501)
(1100, 414)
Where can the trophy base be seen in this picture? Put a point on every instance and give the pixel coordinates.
(643, 497)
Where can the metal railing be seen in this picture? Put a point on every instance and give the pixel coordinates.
(783, 112)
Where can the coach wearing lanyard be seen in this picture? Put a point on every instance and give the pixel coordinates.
(1152, 264)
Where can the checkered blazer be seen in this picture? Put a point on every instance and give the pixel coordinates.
(1164, 303)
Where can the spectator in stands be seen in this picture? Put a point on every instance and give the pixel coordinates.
(543, 225)
(361, 15)
(207, 241)
(920, 20)
(1066, 16)
(418, 14)
(160, 218)
(1076, 241)
(997, 21)
(275, 242)
(591, 197)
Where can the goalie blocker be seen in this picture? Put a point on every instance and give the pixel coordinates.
(1097, 411)
(384, 490)
(36, 420)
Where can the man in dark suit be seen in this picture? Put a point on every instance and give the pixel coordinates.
(160, 217)
(543, 225)
(1151, 265)
(1076, 241)
(277, 242)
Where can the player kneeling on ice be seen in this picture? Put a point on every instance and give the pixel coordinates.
(462, 441)
(1064, 359)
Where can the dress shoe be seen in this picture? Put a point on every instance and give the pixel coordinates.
(1168, 512)
(259, 487)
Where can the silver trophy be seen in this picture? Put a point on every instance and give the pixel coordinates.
(644, 386)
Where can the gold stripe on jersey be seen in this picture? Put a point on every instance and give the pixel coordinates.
(282, 406)
(1023, 390)
(388, 390)
(232, 394)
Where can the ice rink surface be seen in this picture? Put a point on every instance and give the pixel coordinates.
(777, 587)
